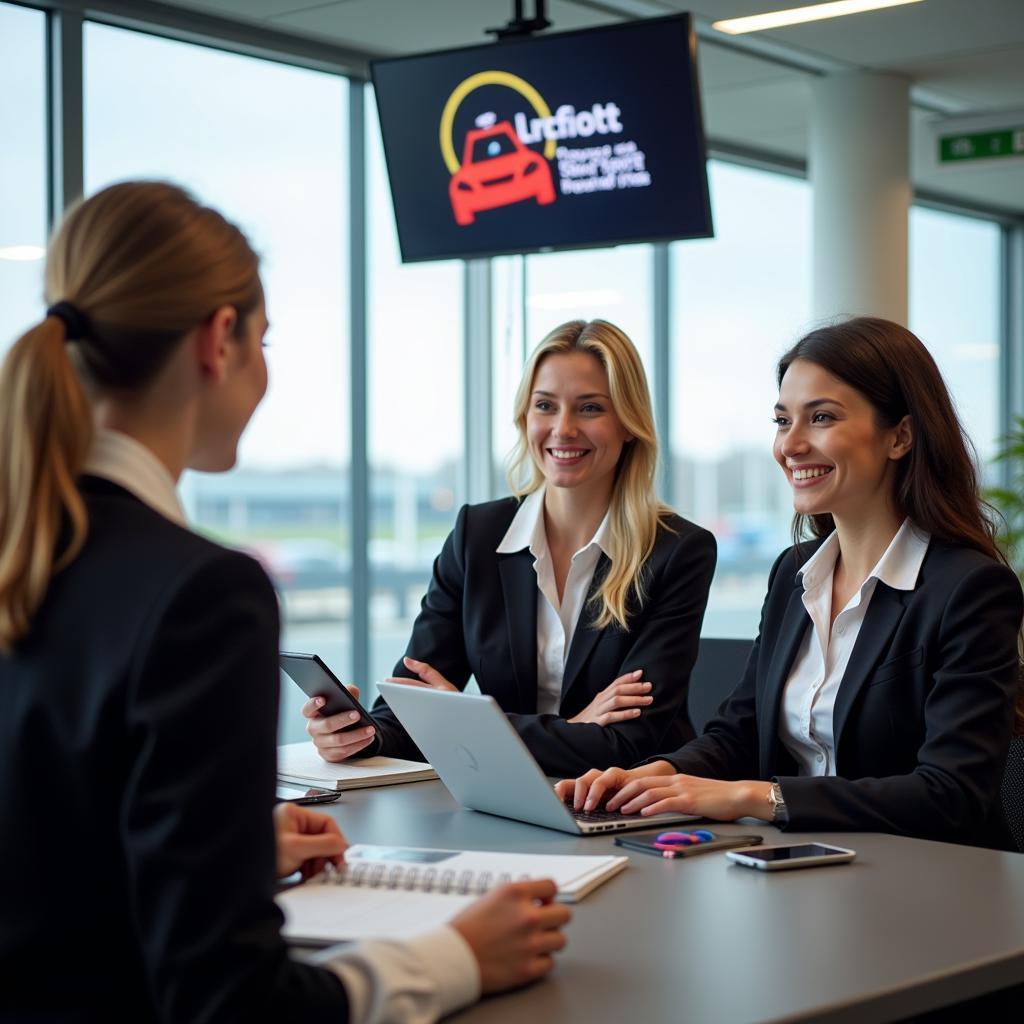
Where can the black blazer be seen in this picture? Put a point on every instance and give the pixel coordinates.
(923, 716)
(479, 617)
(137, 863)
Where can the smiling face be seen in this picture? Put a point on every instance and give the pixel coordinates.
(829, 444)
(575, 435)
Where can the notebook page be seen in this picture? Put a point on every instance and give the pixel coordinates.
(332, 913)
(574, 874)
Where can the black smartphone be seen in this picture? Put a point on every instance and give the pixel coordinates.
(645, 844)
(315, 679)
(304, 795)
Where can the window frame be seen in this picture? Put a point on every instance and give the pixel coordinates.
(65, 19)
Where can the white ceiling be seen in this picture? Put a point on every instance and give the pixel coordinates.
(962, 57)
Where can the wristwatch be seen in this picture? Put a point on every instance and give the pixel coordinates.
(778, 804)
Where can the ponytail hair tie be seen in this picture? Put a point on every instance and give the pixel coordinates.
(76, 323)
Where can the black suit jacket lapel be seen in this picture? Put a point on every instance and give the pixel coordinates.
(795, 622)
(519, 586)
(585, 636)
(880, 620)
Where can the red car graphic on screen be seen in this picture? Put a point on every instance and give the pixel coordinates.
(497, 170)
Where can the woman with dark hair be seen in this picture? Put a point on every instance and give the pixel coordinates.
(880, 692)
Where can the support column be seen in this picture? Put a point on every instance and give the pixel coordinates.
(860, 173)
(64, 101)
(476, 472)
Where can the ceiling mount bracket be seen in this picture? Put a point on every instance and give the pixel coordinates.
(519, 25)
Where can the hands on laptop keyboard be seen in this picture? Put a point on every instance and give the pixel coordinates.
(598, 814)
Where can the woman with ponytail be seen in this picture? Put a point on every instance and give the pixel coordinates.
(880, 694)
(577, 603)
(126, 641)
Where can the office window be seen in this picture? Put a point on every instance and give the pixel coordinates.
(414, 330)
(266, 144)
(955, 268)
(534, 294)
(22, 170)
(738, 301)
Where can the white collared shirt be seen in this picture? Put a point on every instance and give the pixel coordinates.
(808, 700)
(124, 461)
(556, 620)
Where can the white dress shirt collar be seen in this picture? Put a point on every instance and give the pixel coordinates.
(527, 529)
(898, 567)
(806, 721)
(124, 461)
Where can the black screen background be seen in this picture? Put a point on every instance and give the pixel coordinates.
(644, 67)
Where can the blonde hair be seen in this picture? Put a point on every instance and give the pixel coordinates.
(143, 263)
(635, 514)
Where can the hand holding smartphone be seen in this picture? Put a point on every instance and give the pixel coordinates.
(315, 679)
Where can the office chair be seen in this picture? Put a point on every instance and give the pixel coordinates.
(1013, 791)
(720, 664)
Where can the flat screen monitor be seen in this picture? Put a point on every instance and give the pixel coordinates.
(561, 141)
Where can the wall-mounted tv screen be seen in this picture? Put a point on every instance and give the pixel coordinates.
(552, 142)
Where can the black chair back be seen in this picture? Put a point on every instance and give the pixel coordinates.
(1013, 791)
(720, 664)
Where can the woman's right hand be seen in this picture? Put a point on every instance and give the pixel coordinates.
(513, 932)
(336, 737)
(618, 702)
(596, 787)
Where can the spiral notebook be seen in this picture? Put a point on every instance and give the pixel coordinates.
(396, 892)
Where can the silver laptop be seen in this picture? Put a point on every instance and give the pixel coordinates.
(486, 766)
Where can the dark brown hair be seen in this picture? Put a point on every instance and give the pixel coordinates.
(936, 482)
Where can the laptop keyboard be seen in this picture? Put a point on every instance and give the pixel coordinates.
(599, 815)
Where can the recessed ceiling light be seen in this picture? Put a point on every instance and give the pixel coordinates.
(22, 253)
(798, 15)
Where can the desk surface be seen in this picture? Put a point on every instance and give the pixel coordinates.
(908, 926)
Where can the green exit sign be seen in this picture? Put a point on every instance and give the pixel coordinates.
(989, 145)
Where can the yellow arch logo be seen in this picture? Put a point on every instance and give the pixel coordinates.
(464, 88)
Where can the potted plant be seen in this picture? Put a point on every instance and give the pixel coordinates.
(1009, 501)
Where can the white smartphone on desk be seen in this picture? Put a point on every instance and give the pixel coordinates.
(794, 855)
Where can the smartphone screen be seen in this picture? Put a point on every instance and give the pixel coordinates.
(805, 850)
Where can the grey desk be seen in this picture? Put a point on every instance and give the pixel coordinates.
(907, 927)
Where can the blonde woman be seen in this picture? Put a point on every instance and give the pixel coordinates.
(126, 641)
(577, 603)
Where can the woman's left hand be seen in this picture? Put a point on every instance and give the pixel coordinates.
(306, 840)
(688, 794)
(428, 676)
